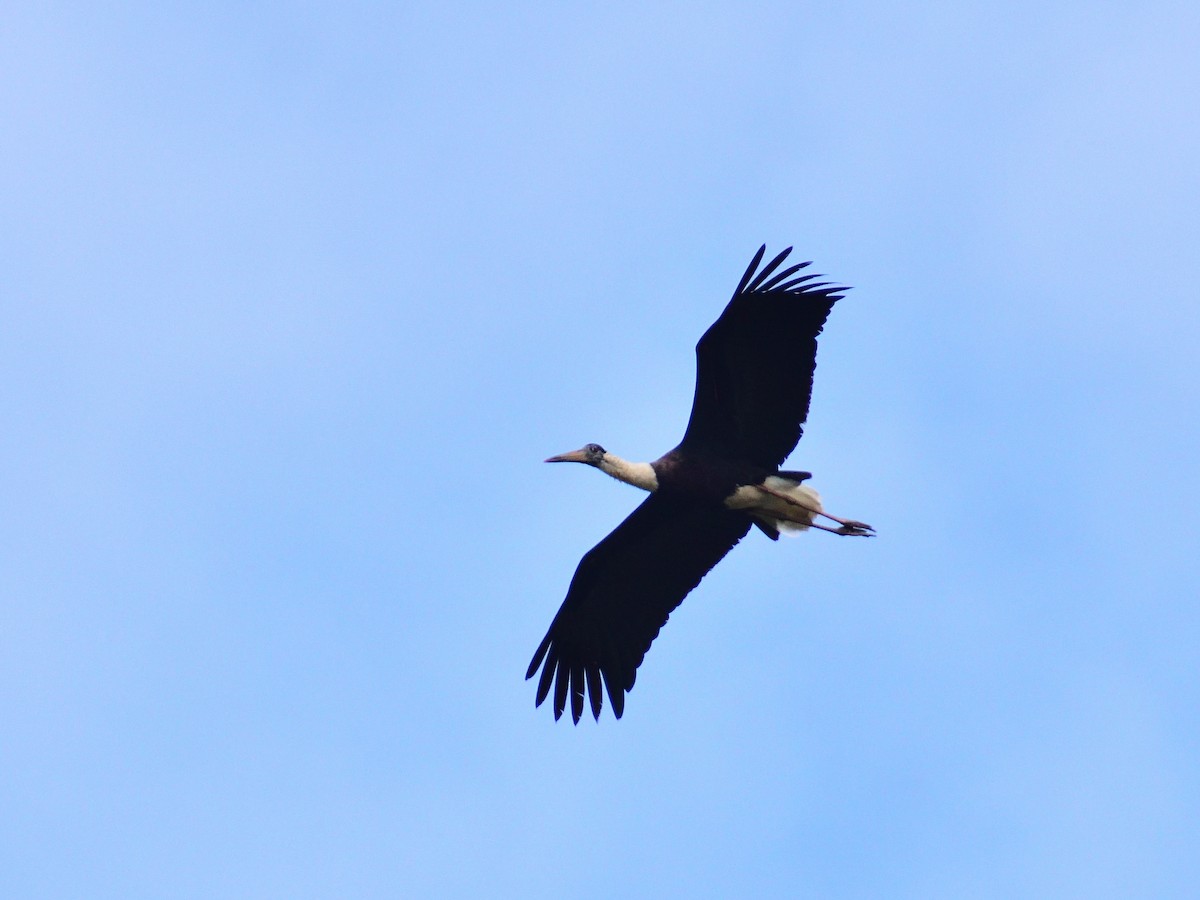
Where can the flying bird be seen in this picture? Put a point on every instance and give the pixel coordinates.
(754, 375)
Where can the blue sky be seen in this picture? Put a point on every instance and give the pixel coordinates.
(294, 299)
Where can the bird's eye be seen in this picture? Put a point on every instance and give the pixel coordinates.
(595, 449)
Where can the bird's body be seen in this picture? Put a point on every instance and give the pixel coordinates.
(753, 385)
(733, 483)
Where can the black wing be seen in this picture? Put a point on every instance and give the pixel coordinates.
(754, 365)
(622, 593)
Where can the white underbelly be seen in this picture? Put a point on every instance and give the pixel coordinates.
(786, 504)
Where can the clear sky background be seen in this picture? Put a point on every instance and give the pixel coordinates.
(294, 299)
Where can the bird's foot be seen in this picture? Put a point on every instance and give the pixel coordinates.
(855, 529)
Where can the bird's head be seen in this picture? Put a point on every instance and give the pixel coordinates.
(590, 454)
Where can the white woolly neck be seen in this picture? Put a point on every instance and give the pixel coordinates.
(639, 474)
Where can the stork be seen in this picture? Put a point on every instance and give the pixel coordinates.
(754, 374)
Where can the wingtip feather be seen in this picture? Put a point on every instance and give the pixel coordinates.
(782, 276)
(562, 679)
(544, 683)
(768, 269)
(594, 691)
(538, 656)
(577, 690)
(750, 269)
(616, 696)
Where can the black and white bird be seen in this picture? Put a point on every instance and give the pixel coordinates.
(754, 375)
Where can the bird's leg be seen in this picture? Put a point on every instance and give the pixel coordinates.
(847, 526)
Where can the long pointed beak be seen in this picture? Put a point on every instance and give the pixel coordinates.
(574, 456)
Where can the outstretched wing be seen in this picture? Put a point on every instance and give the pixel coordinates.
(754, 365)
(622, 593)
